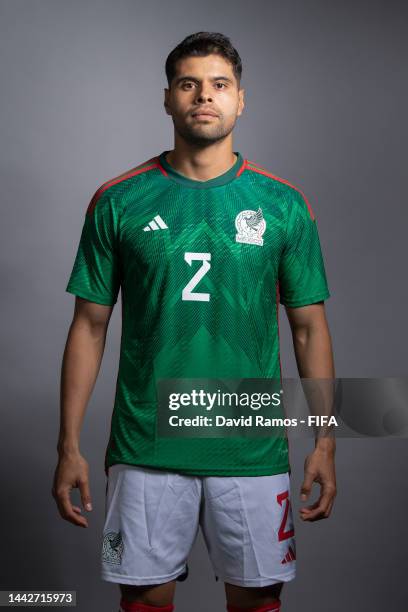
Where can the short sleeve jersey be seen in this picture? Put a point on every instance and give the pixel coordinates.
(202, 267)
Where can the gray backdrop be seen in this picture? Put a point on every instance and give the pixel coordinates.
(82, 101)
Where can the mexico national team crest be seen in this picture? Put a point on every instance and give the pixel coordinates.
(250, 226)
(112, 548)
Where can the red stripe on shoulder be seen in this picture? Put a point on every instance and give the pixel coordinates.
(162, 170)
(242, 168)
(144, 167)
(281, 180)
(256, 165)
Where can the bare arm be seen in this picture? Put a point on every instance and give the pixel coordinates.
(80, 367)
(314, 358)
(311, 341)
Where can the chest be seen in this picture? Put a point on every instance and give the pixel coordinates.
(224, 235)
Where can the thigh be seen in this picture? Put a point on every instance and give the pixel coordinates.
(248, 528)
(151, 521)
(150, 595)
(254, 597)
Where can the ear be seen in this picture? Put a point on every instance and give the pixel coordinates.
(241, 102)
(166, 100)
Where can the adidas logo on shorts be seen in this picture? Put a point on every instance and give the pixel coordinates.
(290, 556)
(156, 224)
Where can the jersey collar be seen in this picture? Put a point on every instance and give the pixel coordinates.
(222, 179)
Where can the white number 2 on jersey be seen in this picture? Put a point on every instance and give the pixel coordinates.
(186, 294)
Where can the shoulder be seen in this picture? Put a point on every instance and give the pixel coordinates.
(288, 190)
(121, 183)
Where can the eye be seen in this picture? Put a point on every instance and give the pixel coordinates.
(219, 83)
(186, 83)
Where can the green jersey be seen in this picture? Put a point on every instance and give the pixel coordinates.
(202, 267)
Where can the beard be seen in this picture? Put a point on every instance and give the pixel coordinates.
(202, 134)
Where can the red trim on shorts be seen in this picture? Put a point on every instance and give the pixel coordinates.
(272, 607)
(281, 180)
(137, 606)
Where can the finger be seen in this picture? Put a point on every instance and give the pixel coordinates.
(307, 484)
(316, 516)
(322, 508)
(311, 507)
(66, 510)
(328, 494)
(70, 515)
(313, 515)
(318, 512)
(85, 494)
(330, 508)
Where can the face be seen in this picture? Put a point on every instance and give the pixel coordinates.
(204, 85)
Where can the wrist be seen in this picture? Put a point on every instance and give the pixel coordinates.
(65, 447)
(325, 444)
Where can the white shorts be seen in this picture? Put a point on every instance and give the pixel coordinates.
(152, 519)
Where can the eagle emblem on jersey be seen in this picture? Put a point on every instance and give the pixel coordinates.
(112, 548)
(250, 226)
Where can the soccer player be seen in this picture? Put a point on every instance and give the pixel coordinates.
(204, 245)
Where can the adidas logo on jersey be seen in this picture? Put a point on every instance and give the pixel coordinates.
(156, 224)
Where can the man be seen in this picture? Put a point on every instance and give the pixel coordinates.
(204, 244)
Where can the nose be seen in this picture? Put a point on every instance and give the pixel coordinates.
(203, 94)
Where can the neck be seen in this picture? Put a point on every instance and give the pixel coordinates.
(202, 164)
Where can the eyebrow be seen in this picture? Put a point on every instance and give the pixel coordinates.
(191, 78)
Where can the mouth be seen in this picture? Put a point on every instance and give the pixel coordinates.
(204, 115)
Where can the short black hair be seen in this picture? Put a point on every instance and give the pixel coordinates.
(201, 44)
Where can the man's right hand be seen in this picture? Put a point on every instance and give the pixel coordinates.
(72, 472)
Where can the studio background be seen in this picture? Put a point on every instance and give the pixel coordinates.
(82, 101)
